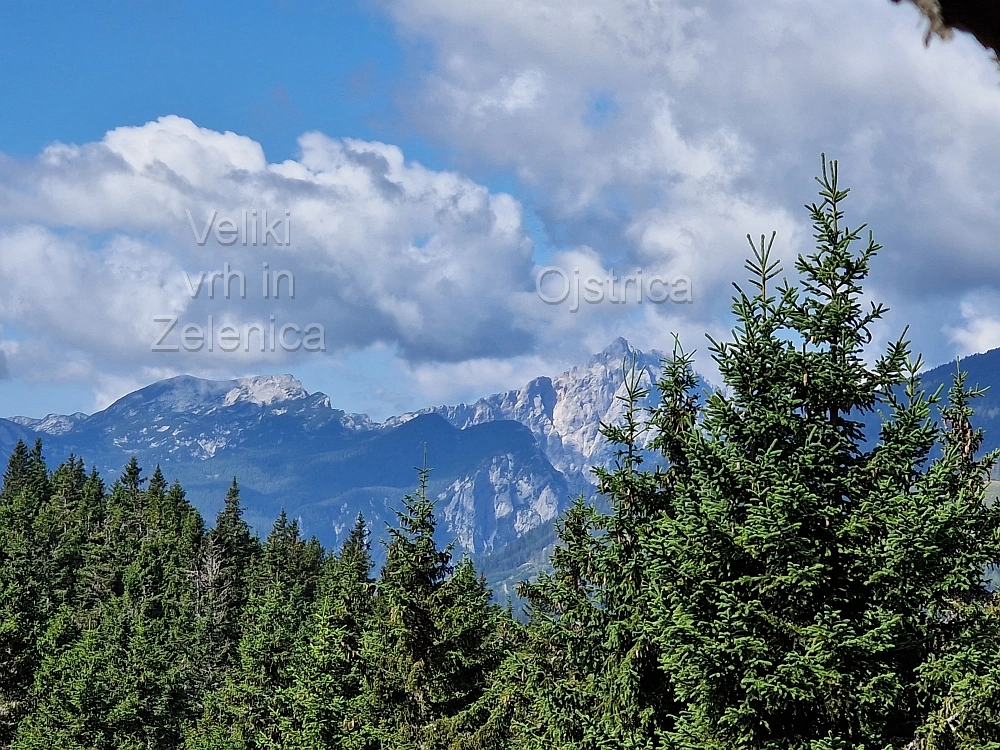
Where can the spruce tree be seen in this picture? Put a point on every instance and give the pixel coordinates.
(324, 697)
(809, 589)
(550, 697)
(434, 644)
(230, 553)
(25, 595)
(252, 706)
(401, 683)
(16, 474)
(783, 582)
(62, 527)
(587, 672)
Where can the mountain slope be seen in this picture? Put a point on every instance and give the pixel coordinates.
(982, 370)
(503, 468)
(11, 432)
(291, 450)
(565, 412)
(53, 424)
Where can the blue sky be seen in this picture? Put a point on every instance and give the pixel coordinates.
(436, 154)
(270, 70)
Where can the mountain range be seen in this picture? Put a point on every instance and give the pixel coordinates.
(502, 468)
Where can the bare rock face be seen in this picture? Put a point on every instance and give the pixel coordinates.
(266, 390)
(53, 424)
(565, 412)
(498, 503)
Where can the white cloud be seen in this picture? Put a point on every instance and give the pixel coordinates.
(95, 244)
(650, 134)
(980, 329)
(715, 114)
(446, 382)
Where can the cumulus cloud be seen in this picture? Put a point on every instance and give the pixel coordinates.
(99, 241)
(980, 327)
(647, 135)
(660, 132)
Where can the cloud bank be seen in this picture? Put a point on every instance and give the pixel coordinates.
(642, 134)
(98, 241)
(663, 131)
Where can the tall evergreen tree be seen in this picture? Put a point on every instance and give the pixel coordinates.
(784, 582)
(324, 697)
(587, 674)
(16, 474)
(25, 596)
(62, 527)
(230, 553)
(434, 646)
(804, 582)
(251, 708)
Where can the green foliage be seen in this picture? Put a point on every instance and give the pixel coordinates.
(249, 708)
(25, 593)
(777, 582)
(806, 581)
(124, 624)
(782, 583)
(326, 672)
(428, 661)
(115, 663)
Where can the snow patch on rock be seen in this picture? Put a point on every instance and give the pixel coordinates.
(266, 390)
(53, 424)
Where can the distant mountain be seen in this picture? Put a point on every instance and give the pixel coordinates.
(53, 424)
(11, 432)
(982, 370)
(565, 412)
(291, 450)
(503, 468)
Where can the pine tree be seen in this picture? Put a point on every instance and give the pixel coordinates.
(325, 692)
(587, 674)
(251, 708)
(25, 595)
(17, 470)
(38, 555)
(111, 681)
(62, 527)
(783, 582)
(230, 553)
(400, 684)
(475, 637)
(232, 534)
(805, 584)
(435, 641)
(553, 692)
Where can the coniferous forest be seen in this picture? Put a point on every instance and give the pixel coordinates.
(783, 582)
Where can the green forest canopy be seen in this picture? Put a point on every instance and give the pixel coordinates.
(783, 583)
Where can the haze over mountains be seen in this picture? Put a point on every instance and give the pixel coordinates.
(503, 468)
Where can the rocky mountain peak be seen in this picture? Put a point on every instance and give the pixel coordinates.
(614, 352)
(52, 424)
(266, 390)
